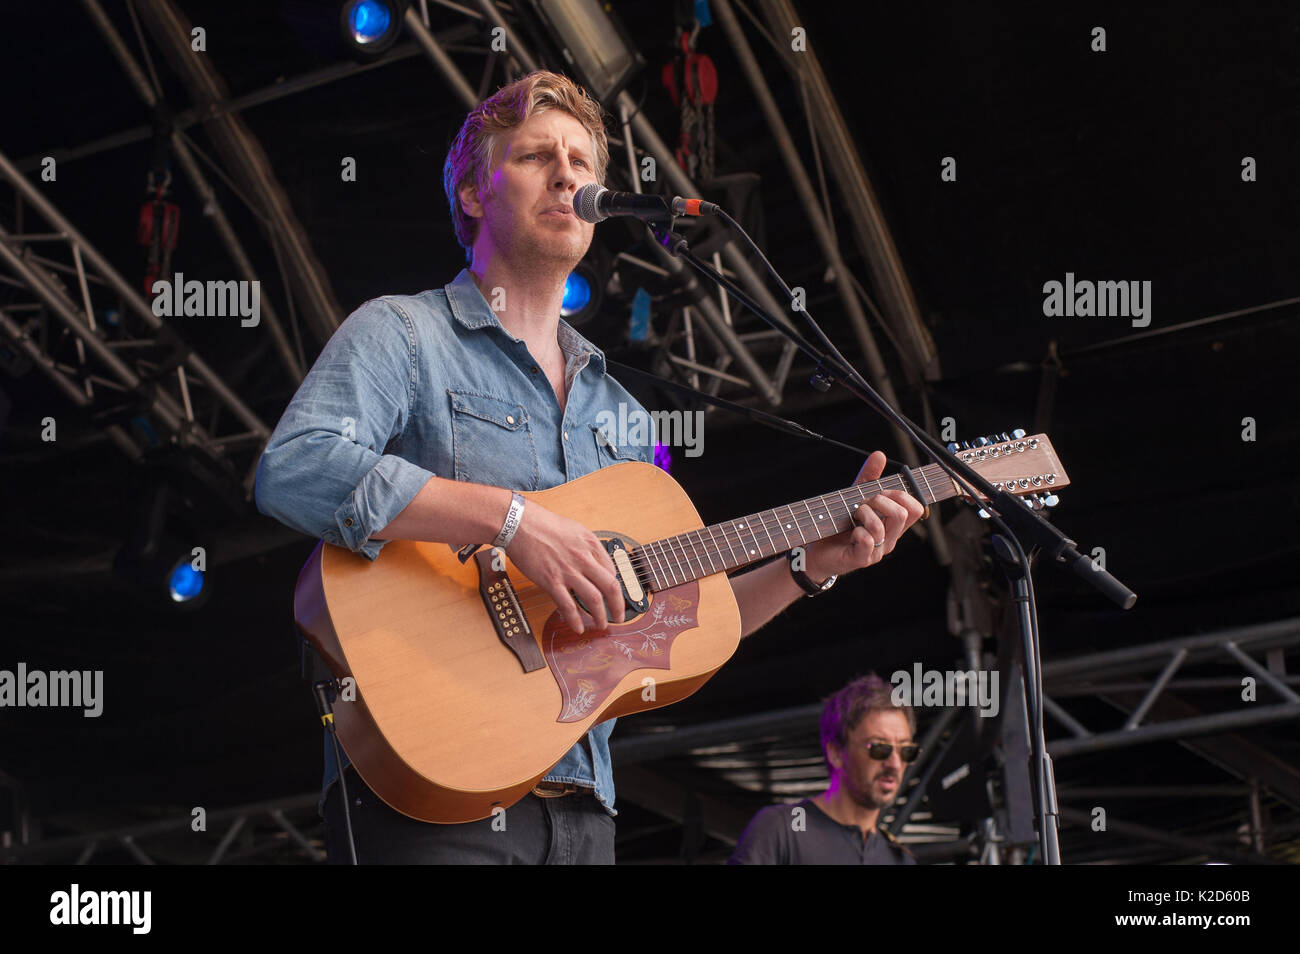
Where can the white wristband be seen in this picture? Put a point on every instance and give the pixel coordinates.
(515, 514)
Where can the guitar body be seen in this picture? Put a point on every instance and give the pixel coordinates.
(446, 724)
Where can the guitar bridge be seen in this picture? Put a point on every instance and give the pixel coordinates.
(506, 613)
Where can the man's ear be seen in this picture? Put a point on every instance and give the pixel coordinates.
(469, 200)
(835, 756)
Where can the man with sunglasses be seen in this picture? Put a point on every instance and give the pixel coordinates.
(867, 742)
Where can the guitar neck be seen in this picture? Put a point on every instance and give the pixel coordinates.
(727, 546)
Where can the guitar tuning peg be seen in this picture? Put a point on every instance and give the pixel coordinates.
(982, 442)
(1018, 433)
(953, 447)
(1051, 500)
(1004, 437)
(965, 445)
(984, 514)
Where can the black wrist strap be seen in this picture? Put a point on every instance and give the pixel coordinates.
(806, 582)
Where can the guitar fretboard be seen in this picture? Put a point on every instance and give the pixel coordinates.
(723, 547)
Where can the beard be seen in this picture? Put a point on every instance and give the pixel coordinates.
(533, 248)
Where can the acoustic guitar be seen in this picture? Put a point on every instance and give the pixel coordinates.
(462, 686)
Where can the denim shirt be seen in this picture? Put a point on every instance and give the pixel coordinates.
(411, 387)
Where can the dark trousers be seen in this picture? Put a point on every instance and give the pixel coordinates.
(569, 830)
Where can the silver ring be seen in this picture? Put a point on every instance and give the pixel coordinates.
(878, 545)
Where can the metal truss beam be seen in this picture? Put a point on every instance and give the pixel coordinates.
(135, 376)
(1191, 846)
(898, 301)
(680, 803)
(211, 208)
(250, 166)
(230, 823)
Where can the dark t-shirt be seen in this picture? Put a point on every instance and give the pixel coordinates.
(803, 834)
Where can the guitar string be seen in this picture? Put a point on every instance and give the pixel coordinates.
(677, 547)
(682, 550)
(682, 558)
(676, 553)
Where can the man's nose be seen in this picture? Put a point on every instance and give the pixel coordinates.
(564, 175)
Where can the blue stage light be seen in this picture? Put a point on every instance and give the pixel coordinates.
(577, 293)
(369, 21)
(186, 583)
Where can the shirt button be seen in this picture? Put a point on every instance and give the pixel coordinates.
(509, 419)
(347, 521)
(534, 369)
(566, 435)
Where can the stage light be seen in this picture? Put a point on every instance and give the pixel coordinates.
(372, 26)
(369, 21)
(593, 42)
(663, 457)
(185, 583)
(577, 294)
(584, 289)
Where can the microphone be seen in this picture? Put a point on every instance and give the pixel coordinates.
(595, 203)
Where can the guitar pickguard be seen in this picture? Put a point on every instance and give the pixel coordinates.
(589, 665)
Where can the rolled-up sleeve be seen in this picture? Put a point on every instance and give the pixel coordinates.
(324, 471)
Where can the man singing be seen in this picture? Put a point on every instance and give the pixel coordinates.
(425, 414)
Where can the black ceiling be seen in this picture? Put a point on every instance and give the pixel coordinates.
(1122, 165)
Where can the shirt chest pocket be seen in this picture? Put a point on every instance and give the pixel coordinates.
(610, 451)
(492, 442)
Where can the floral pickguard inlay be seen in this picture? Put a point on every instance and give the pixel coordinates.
(589, 665)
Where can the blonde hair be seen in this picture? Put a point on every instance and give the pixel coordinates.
(471, 154)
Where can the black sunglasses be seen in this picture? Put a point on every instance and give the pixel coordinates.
(883, 750)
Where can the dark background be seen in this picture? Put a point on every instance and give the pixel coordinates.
(1122, 165)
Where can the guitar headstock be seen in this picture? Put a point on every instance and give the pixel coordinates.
(1025, 466)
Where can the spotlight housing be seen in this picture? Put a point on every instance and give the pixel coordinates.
(371, 26)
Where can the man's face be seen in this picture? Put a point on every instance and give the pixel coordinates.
(526, 210)
(870, 783)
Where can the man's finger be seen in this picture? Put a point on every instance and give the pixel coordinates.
(873, 468)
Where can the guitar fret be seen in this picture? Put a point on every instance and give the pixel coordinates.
(770, 541)
(672, 552)
(727, 541)
(758, 547)
(664, 572)
(646, 562)
(933, 497)
(795, 520)
(812, 518)
(712, 568)
(663, 556)
(848, 511)
(781, 527)
(688, 542)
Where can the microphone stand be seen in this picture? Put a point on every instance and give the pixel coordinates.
(1019, 523)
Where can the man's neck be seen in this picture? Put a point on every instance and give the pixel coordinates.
(837, 803)
(525, 301)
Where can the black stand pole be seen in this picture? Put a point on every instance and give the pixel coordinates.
(1040, 767)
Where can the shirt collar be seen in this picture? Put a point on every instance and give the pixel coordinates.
(470, 308)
